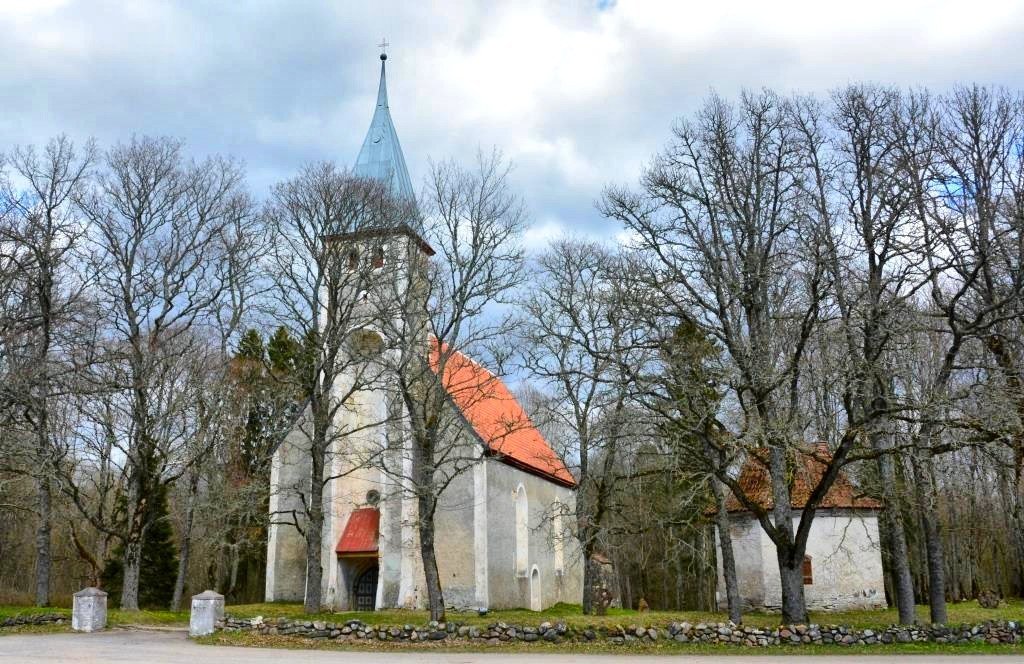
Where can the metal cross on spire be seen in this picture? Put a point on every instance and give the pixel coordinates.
(383, 45)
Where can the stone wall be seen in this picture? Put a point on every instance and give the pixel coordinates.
(995, 632)
(35, 619)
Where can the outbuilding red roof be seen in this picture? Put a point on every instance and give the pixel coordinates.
(756, 483)
(361, 532)
(498, 418)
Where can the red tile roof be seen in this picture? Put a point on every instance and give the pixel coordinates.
(361, 532)
(498, 418)
(756, 483)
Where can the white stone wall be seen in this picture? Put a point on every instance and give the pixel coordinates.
(846, 560)
(506, 588)
(846, 563)
(286, 548)
(746, 545)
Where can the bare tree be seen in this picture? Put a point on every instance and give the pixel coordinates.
(858, 160)
(44, 240)
(442, 308)
(729, 241)
(576, 343)
(967, 202)
(320, 284)
(160, 242)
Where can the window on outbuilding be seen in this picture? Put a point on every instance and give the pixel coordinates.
(808, 575)
(522, 532)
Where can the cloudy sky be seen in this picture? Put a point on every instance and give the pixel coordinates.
(578, 95)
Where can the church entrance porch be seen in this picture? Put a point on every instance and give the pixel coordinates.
(358, 566)
(357, 583)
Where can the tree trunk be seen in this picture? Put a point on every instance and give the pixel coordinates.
(892, 519)
(186, 543)
(732, 588)
(791, 577)
(130, 585)
(435, 596)
(44, 507)
(314, 540)
(932, 536)
(587, 547)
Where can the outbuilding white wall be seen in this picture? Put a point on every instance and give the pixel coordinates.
(845, 556)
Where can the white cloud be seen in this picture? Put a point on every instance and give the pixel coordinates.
(578, 95)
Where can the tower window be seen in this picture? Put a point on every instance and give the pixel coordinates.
(808, 575)
(378, 257)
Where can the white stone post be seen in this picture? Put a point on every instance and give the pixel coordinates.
(207, 609)
(89, 610)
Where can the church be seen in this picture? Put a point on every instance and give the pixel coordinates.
(500, 533)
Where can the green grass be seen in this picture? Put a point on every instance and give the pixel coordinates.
(147, 617)
(247, 639)
(966, 612)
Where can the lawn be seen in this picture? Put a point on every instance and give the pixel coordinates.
(966, 612)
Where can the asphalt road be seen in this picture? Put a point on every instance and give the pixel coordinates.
(174, 648)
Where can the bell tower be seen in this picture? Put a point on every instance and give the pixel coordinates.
(390, 259)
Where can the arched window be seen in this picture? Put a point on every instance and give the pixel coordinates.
(378, 256)
(353, 260)
(558, 538)
(522, 531)
(808, 573)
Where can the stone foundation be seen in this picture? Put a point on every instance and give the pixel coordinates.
(995, 632)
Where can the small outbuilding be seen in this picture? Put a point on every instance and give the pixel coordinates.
(843, 562)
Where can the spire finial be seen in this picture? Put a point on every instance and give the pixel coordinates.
(383, 45)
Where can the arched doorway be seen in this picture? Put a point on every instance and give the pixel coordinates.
(365, 590)
(536, 603)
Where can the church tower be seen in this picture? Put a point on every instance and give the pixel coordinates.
(369, 543)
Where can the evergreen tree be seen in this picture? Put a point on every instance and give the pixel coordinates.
(159, 561)
(250, 347)
(282, 351)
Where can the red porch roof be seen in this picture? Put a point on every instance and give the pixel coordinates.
(361, 533)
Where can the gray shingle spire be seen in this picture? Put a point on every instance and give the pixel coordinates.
(381, 155)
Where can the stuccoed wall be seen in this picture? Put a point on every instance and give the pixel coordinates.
(454, 542)
(746, 545)
(846, 563)
(505, 588)
(286, 548)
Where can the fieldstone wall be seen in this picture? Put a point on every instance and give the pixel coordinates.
(994, 632)
(35, 619)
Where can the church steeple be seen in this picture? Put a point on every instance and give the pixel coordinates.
(381, 155)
